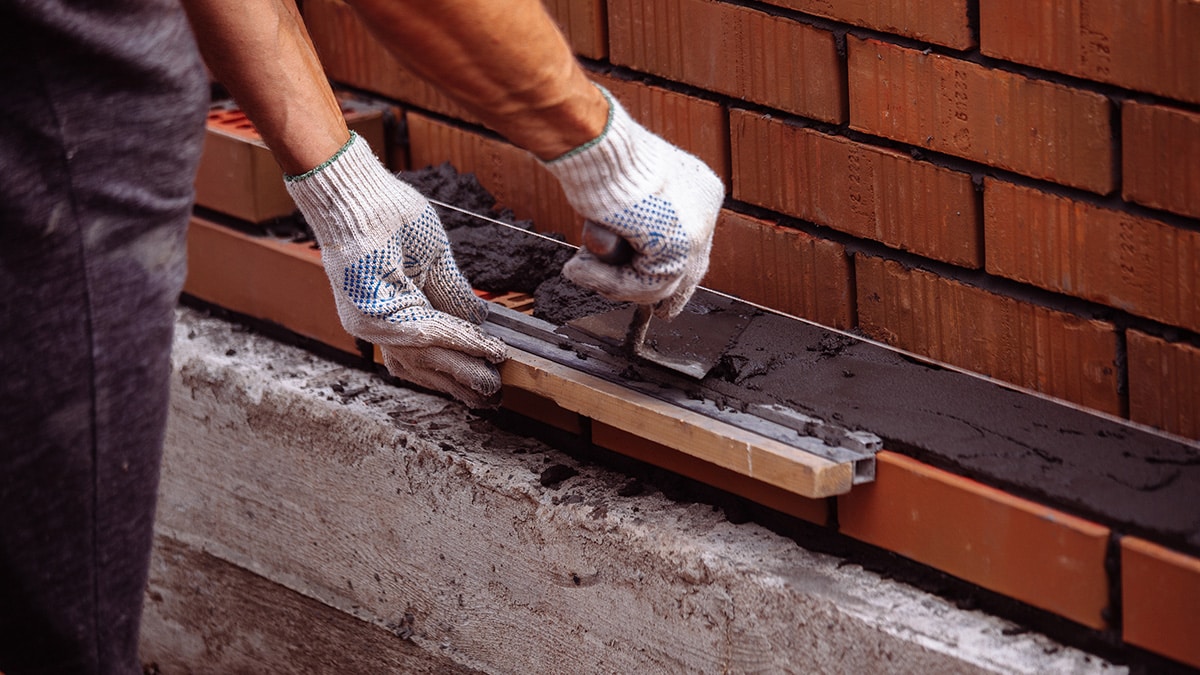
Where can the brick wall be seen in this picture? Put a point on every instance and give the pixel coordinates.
(1010, 186)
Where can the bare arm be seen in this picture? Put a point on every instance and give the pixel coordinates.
(262, 53)
(505, 62)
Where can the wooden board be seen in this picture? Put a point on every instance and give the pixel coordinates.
(725, 445)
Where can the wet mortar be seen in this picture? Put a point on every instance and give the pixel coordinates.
(1135, 481)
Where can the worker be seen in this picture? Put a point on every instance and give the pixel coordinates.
(102, 107)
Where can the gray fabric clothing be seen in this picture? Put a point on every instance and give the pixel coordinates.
(101, 120)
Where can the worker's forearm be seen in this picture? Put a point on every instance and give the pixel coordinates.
(504, 61)
(261, 52)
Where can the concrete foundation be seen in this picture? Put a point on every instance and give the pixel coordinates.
(313, 518)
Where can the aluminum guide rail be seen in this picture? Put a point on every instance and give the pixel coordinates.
(805, 433)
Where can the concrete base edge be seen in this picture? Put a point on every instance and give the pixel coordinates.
(313, 518)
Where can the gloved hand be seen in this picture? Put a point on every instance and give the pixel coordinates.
(394, 279)
(660, 199)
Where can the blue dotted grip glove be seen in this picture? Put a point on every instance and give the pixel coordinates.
(660, 199)
(394, 278)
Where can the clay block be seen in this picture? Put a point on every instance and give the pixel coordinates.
(276, 281)
(1034, 127)
(1159, 151)
(625, 443)
(1141, 265)
(1160, 596)
(239, 177)
(943, 22)
(781, 268)
(986, 536)
(1041, 349)
(732, 50)
(1164, 384)
(855, 188)
(1145, 45)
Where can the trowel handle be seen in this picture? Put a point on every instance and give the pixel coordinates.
(609, 247)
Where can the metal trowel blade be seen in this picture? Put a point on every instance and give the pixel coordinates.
(691, 343)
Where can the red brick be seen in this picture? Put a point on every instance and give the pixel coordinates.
(239, 176)
(1160, 157)
(863, 190)
(1160, 597)
(694, 124)
(1146, 45)
(986, 536)
(1140, 265)
(352, 56)
(1164, 384)
(276, 281)
(583, 23)
(781, 268)
(942, 22)
(513, 176)
(631, 445)
(1034, 347)
(1033, 127)
(731, 50)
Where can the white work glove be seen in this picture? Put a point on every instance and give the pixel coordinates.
(394, 279)
(660, 199)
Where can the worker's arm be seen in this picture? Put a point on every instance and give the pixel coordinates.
(388, 260)
(260, 51)
(507, 63)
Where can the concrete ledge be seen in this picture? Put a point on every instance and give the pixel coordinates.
(313, 517)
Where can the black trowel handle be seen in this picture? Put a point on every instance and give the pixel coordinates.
(609, 247)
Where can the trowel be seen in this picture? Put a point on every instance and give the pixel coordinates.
(692, 343)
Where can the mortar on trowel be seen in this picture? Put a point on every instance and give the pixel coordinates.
(691, 344)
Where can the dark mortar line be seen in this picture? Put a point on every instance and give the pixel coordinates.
(852, 284)
(1122, 368)
(974, 24)
(395, 133)
(1114, 613)
(1118, 154)
(841, 29)
(628, 74)
(976, 278)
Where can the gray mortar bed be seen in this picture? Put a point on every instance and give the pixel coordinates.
(1129, 479)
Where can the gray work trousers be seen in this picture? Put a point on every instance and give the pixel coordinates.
(101, 120)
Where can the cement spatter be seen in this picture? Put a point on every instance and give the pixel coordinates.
(1134, 481)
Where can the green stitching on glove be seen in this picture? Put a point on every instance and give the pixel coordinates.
(322, 165)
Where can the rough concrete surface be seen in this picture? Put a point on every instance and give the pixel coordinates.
(299, 497)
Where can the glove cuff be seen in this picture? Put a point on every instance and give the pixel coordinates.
(352, 200)
(616, 169)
